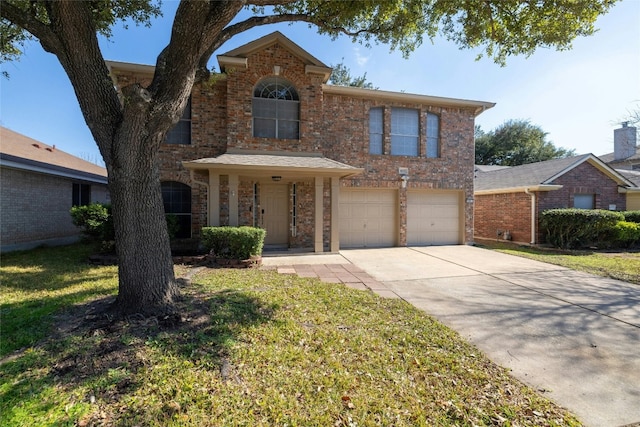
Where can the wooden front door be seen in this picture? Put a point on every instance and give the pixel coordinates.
(274, 202)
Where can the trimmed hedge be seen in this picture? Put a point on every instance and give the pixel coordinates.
(575, 228)
(632, 216)
(234, 242)
(626, 234)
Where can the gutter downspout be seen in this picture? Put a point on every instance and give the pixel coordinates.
(195, 181)
(533, 215)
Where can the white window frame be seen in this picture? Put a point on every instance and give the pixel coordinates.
(405, 132)
(433, 136)
(276, 109)
(376, 130)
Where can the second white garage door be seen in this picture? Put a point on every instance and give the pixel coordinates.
(433, 218)
(368, 218)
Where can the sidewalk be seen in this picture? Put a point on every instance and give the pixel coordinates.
(329, 268)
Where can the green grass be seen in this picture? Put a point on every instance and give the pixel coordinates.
(622, 265)
(254, 349)
(41, 282)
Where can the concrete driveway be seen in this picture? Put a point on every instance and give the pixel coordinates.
(573, 337)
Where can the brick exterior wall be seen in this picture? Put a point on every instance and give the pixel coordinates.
(583, 179)
(512, 211)
(497, 213)
(336, 126)
(35, 206)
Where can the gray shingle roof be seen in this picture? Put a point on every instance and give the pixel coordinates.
(610, 157)
(633, 176)
(534, 174)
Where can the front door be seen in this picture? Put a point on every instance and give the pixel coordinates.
(274, 201)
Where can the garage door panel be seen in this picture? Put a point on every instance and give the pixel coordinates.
(433, 218)
(367, 217)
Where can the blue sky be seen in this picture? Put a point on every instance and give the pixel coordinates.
(578, 97)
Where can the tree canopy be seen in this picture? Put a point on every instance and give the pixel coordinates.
(129, 127)
(341, 76)
(516, 142)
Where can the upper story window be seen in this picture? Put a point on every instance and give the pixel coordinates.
(433, 135)
(405, 131)
(376, 130)
(181, 132)
(276, 109)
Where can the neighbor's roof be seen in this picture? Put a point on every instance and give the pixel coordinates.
(21, 152)
(539, 176)
(269, 163)
(610, 157)
(631, 175)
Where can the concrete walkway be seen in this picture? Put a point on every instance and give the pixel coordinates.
(572, 336)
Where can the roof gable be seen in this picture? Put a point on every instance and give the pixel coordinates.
(540, 174)
(271, 39)
(238, 56)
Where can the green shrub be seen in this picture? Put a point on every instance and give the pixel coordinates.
(234, 242)
(575, 228)
(97, 224)
(632, 216)
(627, 234)
(95, 219)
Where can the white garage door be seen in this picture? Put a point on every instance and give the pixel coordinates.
(367, 218)
(433, 218)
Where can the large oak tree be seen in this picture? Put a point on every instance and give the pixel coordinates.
(129, 127)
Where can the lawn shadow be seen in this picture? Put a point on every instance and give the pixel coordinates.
(91, 349)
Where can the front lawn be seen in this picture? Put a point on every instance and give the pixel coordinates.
(253, 348)
(622, 265)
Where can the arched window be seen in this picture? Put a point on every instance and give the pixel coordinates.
(276, 109)
(177, 201)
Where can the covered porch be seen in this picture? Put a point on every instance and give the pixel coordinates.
(294, 196)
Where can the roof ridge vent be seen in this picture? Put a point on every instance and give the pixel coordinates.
(36, 145)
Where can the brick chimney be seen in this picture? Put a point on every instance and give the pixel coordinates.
(624, 142)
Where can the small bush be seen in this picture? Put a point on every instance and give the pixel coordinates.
(234, 242)
(575, 228)
(632, 216)
(627, 234)
(95, 219)
(97, 224)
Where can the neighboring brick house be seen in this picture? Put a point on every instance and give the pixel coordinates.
(268, 143)
(38, 186)
(509, 201)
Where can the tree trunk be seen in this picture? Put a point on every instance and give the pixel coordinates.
(145, 267)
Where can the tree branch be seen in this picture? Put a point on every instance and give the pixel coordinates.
(27, 20)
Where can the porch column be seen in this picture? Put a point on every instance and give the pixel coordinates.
(402, 216)
(335, 214)
(233, 200)
(319, 216)
(214, 199)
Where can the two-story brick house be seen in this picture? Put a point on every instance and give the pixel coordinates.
(267, 142)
